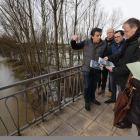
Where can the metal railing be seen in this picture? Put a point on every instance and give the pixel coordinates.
(38, 97)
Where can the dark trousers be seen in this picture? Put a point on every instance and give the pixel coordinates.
(113, 85)
(104, 79)
(90, 84)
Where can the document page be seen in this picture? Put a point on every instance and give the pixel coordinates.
(135, 69)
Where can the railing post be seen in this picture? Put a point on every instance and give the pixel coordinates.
(64, 86)
(73, 88)
(60, 96)
(42, 95)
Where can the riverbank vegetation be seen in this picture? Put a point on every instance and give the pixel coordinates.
(36, 34)
(18, 69)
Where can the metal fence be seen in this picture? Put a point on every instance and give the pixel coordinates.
(38, 97)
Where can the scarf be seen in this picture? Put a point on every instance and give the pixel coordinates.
(109, 41)
(129, 40)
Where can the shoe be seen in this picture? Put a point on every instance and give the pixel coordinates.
(123, 125)
(95, 102)
(109, 94)
(87, 106)
(110, 101)
(101, 91)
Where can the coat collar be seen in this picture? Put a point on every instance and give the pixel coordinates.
(97, 44)
(120, 43)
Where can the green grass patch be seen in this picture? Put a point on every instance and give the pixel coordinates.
(19, 71)
(17, 63)
(20, 68)
(19, 75)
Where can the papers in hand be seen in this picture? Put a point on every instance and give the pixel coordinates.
(95, 65)
(105, 63)
(135, 69)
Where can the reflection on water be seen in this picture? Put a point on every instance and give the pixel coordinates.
(6, 78)
(6, 74)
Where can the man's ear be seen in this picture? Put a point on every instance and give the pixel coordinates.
(135, 28)
(92, 36)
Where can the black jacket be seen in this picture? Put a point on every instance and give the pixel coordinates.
(91, 51)
(109, 47)
(131, 54)
(133, 115)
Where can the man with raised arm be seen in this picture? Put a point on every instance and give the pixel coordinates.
(93, 48)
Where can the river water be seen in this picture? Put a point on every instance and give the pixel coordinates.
(6, 78)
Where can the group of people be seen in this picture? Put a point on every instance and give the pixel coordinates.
(120, 47)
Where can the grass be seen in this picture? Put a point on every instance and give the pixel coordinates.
(18, 68)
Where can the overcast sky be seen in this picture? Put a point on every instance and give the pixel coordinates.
(130, 8)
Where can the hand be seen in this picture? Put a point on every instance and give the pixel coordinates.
(110, 69)
(101, 65)
(75, 37)
(106, 58)
(130, 78)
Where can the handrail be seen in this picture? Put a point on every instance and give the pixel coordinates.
(47, 96)
(37, 78)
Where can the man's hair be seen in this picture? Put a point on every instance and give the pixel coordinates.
(95, 30)
(121, 32)
(133, 22)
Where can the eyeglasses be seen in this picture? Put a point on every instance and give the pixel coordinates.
(118, 36)
(127, 31)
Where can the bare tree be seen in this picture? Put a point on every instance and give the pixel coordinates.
(56, 4)
(116, 18)
(44, 33)
(48, 25)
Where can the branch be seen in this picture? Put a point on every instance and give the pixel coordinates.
(94, 1)
(60, 13)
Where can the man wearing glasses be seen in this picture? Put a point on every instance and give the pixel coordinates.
(130, 53)
(116, 48)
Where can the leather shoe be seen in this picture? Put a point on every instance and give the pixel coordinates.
(95, 102)
(101, 91)
(110, 101)
(109, 94)
(87, 106)
(123, 125)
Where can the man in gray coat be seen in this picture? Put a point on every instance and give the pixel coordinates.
(92, 50)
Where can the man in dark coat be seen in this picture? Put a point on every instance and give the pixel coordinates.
(116, 48)
(92, 50)
(129, 53)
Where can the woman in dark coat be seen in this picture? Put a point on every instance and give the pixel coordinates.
(133, 115)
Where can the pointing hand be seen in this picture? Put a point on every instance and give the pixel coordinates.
(75, 37)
